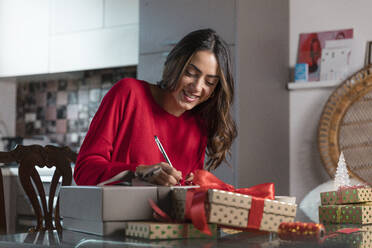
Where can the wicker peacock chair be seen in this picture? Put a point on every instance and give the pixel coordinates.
(346, 125)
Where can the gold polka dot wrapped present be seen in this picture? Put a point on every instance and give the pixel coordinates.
(232, 209)
(160, 230)
(346, 214)
(346, 196)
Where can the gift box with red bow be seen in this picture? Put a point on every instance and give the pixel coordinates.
(232, 209)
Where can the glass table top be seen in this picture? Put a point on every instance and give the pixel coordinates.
(243, 239)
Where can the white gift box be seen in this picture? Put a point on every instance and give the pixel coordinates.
(108, 203)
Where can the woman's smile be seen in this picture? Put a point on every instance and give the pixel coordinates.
(189, 97)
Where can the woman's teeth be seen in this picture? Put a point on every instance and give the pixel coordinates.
(189, 95)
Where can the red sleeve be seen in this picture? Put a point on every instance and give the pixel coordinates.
(94, 163)
(202, 150)
(201, 162)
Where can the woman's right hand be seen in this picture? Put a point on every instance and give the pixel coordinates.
(163, 174)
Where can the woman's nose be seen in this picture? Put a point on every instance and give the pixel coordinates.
(197, 85)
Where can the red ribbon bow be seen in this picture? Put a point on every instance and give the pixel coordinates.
(195, 199)
(207, 180)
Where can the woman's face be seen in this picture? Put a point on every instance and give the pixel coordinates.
(197, 83)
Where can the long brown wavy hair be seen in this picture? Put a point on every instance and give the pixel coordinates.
(215, 112)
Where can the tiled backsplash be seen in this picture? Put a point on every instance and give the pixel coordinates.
(61, 106)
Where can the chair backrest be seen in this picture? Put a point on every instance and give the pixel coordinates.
(50, 156)
(346, 126)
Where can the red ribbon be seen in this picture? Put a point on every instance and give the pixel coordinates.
(158, 213)
(344, 188)
(207, 180)
(256, 213)
(196, 210)
(195, 199)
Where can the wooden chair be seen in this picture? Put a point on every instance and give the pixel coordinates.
(346, 126)
(28, 157)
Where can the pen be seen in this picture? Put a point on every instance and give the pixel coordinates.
(162, 151)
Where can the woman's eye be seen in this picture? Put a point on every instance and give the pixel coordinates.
(188, 73)
(212, 82)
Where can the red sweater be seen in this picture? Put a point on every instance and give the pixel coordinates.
(121, 136)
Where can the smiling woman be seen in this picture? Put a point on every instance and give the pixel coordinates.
(189, 112)
(196, 84)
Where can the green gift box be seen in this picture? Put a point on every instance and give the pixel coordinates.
(346, 196)
(161, 230)
(346, 214)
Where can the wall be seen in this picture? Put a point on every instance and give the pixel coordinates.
(306, 168)
(7, 107)
(262, 73)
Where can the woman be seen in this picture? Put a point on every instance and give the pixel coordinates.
(189, 111)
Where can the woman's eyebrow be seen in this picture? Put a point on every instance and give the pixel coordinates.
(197, 69)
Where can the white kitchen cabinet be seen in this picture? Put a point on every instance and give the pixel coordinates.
(101, 48)
(24, 32)
(121, 12)
(164, 22)
(47, 36)
(108, 38)
(76, 15)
